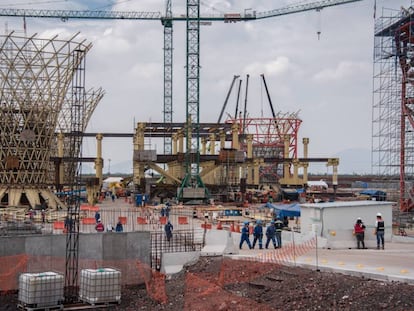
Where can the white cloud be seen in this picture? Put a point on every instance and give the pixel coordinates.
(276, 67)
(343, 70)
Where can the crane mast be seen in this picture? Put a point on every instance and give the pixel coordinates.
(168, 74)
(192, 187)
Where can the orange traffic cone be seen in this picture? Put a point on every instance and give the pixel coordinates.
(219, 226)
(232, 228)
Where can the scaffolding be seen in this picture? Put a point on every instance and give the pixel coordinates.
(393, 100)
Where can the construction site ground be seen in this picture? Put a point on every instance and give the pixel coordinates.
(318, 279)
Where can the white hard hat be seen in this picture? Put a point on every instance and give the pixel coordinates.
(359, 218)
(379, 214)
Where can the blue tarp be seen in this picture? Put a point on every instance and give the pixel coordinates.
(282, 210)
(377, 194)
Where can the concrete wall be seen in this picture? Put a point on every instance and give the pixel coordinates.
(121, 251)
(98, 246)
(335, 221)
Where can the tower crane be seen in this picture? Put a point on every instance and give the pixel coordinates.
(192, 18)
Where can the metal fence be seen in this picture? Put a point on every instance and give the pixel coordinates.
(181, 241)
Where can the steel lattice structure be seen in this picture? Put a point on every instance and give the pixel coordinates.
(393, 104)
(92, 98)
(269, 138)
(269, 134)
(36, 77)
(168, 72)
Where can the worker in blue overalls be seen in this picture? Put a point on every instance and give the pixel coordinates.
(258, 234)
(245, 235)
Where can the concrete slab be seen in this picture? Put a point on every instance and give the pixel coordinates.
(172, 263)
(219, 242)
(395, 263)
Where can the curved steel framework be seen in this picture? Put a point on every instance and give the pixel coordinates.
(92, 98)
(35, 78)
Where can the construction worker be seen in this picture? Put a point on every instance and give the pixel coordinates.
(43, 216)
(168, 228)
(279, 228)
(258, 234)
(119, 227)
(379, 231)
(359, 230)
(99, 227)
(245, 235)
(97, 216)
(270, 234)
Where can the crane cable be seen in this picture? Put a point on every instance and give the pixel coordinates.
(319, 23)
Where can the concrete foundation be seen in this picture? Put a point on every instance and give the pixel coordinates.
(122, 251)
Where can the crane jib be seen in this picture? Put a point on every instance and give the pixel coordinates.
(131, 15)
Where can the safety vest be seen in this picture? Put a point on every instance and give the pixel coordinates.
(380, 225)
(278, 225)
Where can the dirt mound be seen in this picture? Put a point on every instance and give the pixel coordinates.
(218, 284)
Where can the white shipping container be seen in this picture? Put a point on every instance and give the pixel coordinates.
(100, 285)
(41, 289)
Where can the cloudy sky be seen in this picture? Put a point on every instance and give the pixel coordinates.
(327, 79)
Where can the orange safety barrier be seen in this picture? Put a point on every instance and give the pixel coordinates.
(88, 221)
(182, 220)
(123, 220)
(219, 226)
(84, 207)
(206, 226)
(232, 228)
(237, 228)
(141, 221)
(163, 220)
(250, 229)
(57, 225)
(94, 208)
